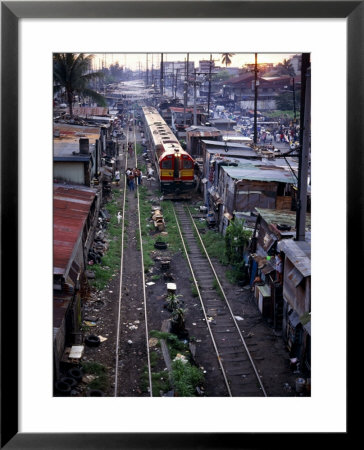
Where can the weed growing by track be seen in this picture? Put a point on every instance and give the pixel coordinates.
(98, 371)
(184, 376)
(110, 262)
(149, 235)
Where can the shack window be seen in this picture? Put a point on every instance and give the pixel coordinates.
(167, 164)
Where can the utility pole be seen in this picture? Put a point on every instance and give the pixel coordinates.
(146, 72)
(209, 94)
(186, 89)
(294, 100)
(152, 71)
(162, 78)
(194, 101)
(175, 84)
(255, 97)
(305, 117)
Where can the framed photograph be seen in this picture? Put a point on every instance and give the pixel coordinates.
(331, 32)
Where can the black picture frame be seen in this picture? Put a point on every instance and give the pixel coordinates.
(11, 12)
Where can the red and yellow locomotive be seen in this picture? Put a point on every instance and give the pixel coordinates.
(175, 167)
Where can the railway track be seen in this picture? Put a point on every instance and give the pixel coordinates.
(132, 307)
(239, 372)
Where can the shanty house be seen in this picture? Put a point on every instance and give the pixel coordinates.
(195, 135)
(75, 214)
(251, 184)
(77, 153)
(272, 228)
(182, 118)
(215, 154)
(223, 124)
(297, 299)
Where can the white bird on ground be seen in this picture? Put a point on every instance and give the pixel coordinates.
(119, 216)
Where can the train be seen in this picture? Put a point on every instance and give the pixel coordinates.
(175, 167)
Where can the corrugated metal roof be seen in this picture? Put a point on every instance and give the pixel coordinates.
(181, 110)
(265, 290)
(71, 207)
(277, 216)
(203, 131)
(222, 121)
(229, 145)
(252, 172)
(299, 253)
(90, 111)
(67, 130)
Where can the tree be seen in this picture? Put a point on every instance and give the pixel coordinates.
(225, 58)
(221, 76)
(71, 71)
(116, 71)
(284, 101)
(236, 238)
(286, 68)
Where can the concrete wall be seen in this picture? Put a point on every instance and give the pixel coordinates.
(72, 172)
(261, 104)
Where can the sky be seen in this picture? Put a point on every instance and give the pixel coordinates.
(132, 60)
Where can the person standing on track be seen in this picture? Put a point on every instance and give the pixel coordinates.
(127, 173)
(131, 180)
(130, 149)
(138, 175)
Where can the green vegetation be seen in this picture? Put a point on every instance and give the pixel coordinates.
(215, 245)
(217, 288)
(173, 343)
(139, 149)
(281, 114)
(71, 73)
(110, 262)
(185, 378)
(227, 250)
(305, 318)
(236, 239)
(101, 381)
(194, 289)
(149, 238)
(173, 301)
(160, 381)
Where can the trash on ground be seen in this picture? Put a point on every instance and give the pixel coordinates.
(76, 351)
(238, 318)
(88, 378)
(181, 358)
(153, 342)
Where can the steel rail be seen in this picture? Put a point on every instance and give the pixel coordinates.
(228, 305)
(203, 307)
(121, 280)
(143, 278)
